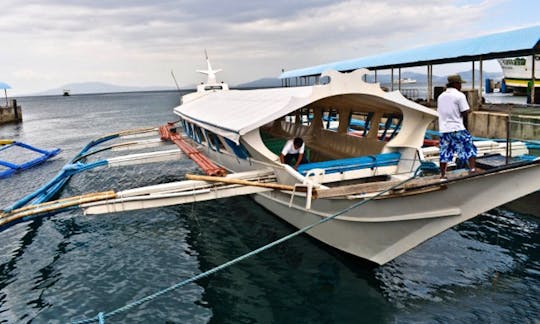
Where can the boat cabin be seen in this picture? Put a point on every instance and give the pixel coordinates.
(350, 128)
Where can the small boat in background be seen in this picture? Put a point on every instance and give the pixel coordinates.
(66, 93)
(405, 81)
(518, 72)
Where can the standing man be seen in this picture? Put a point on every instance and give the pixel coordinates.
(293, 151)
(453, 109)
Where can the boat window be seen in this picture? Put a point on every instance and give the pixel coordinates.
(220, 142)
(301, 116)
(306, 116)
(390, 127)
(360, 124)
(199, 138)
(331, 119)
(238, 149)
(191, 131)
(214, 141)
(214, 87)
(386, 126)
(324, 80)
(185, 126)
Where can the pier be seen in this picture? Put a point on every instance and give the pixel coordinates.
(11, 112)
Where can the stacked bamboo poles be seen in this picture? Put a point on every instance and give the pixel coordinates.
(206, 165)
(53, 206)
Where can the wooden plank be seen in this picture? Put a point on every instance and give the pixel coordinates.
(356, 189)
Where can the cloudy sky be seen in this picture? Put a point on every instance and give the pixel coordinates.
(48, 43)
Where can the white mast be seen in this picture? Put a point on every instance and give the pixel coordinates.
(211, 73)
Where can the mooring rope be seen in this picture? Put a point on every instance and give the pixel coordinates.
(101, 315)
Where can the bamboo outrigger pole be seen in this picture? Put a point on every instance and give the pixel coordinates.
(276, 186)
(54, 206)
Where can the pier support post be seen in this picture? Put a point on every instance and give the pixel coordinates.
(429, 83)
(392, 79)
(533, 94)
(481, 80)
(15, 112)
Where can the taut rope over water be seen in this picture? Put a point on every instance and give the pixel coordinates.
(101, 316)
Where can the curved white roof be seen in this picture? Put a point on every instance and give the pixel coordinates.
(497, 45)
(234, 113)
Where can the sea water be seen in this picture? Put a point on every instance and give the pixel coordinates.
(69, 266)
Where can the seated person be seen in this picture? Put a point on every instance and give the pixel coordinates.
(293, 151)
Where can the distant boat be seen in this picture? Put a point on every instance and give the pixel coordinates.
(66, 93)
(405, 81)
(518, 71)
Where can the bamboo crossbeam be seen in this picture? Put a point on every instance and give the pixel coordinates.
(276, 186)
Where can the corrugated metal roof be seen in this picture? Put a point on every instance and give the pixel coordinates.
(507, 44)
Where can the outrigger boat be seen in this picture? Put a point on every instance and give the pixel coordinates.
(236, 137)
(7, 168)
(242, 131)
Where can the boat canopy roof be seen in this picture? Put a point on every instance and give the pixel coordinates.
(517, 42)
(236, 112)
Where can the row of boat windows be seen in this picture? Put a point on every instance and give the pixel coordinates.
(213, 141)
(357, 124)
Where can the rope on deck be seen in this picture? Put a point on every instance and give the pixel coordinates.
(101, 315)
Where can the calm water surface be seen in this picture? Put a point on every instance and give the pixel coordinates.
(70, 266)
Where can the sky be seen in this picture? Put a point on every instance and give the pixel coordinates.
(48, 43)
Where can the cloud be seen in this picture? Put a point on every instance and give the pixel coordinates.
(138, 42)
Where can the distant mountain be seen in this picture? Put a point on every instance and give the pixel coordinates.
(261, 83)
(384, 79)
(97, 87)
(421, 78)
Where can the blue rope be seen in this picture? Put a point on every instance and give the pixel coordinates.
(242, 257)
(101, 318)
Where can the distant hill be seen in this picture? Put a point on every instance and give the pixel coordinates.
(261, 83)
(97, 87)
(384, 79)
(421, 78)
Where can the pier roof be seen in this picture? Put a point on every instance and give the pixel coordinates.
(525, 41)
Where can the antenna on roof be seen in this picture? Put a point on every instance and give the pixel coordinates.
(209, 71)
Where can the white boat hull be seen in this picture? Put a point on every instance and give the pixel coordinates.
(383, 229)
